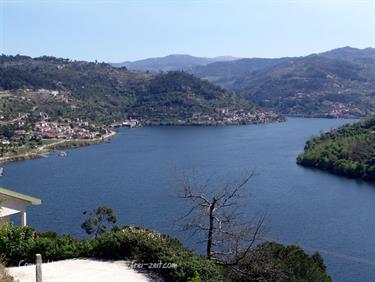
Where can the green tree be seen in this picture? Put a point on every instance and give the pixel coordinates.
(99, 221)
(7, 131)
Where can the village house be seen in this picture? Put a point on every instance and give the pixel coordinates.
(12, 202)
(5, 142)
(20, 132)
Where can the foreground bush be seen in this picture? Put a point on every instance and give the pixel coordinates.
(146, 246)
(278, 263)
(16, 243)
(133, 244)
(268, 262)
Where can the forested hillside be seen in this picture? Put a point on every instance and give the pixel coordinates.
(98, 91)
(348, 150)
(228, 74)
(337, 83)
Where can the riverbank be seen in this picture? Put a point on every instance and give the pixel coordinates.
(347, 151)
(46, 149)
(60, 144)
(228, 119)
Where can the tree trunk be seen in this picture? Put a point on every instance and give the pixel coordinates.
(211, 227)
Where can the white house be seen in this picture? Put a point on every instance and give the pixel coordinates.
(13, 202)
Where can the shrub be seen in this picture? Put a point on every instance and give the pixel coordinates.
(134, 244)
(58, 248)
(16, 243)
(268, 262)
(146, 246)
(275, 262)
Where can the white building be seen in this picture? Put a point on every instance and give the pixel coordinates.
(12, 202)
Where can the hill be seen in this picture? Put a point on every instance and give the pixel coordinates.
(365, 56)
(337, 83)
(348, 150)
(225, 74)
(100, 92)
(314, 86)
(170, 63)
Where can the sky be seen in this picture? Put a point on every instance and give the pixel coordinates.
(117, 31)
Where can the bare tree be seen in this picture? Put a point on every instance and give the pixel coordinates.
(215, 215)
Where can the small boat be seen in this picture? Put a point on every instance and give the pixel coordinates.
(108, 140)
(1, 171)
(62, 154)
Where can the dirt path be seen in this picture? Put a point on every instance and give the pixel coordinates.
(80, 270)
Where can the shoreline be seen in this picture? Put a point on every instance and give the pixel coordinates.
(320, 116)
(45, 150)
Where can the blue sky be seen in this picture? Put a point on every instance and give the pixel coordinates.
(116, 31)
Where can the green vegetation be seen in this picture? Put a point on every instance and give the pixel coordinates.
(77, 101)
(145, 246)
(102, 93)
(4, 276)
(348, 150)
(133, 244)
(274, 262)
(99, 221)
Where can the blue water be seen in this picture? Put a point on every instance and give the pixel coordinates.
(133, 175)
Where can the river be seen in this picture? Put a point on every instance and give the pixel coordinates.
(133, 175)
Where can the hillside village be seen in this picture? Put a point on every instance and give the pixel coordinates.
(24, 128)
(33, 120)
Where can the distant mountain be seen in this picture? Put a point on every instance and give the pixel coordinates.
(337, 83)
(313, 86)
(364, 56)
(225, 73)
(100, 92)
(171, 62)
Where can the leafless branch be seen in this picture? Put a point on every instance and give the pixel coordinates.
(217, 216)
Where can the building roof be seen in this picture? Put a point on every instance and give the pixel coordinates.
(10, 193)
